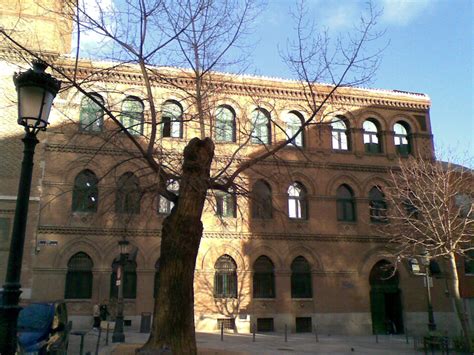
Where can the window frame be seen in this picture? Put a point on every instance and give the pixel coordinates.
(293, 122)
(263, 281)
(225, 277)
(226, 204)
(259, 125)
(128, 198)
(337, 133)
(344, 205)
(300, 201)
(262, 201)
(129, 280)
(131, 119)
(96, 125)
(377, 205)
(225, 125)
(81, 194)
(164, 205)
(72, 289)
(399, 137)
(301, 275)
(170, 122)
(372, 138)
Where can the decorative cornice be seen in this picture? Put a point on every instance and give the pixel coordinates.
(99, 231)
(212, 235)
(299, 237)
(66, 148)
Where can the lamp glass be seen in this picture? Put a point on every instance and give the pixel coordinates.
(34, 106)
(123, 246)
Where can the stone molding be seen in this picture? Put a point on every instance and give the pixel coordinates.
(64, 230)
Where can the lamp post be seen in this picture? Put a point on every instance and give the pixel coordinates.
(425, 261)
(36, 91)
(118, 335)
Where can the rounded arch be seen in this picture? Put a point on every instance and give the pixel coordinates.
(235, 106)
(207, 259)
(372, 181)
(151, 256)
(373, 116)
(412, 124)
(74, 246)
(299, 176)
(111, 252)
(267, 250)
(371, 257)
(346, 179)
(302, 250)
(331, 112)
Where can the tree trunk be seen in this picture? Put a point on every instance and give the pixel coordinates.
(458, 304)
(173, 322)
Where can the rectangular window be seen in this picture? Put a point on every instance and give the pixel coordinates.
(4, 229)
(304, 325)
(229, 323)
(264, 324)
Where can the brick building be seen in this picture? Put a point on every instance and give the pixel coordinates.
(301, 249)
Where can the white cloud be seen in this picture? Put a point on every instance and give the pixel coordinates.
(339, 17)
(402, 12)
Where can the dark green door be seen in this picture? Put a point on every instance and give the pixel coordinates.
(385, 299)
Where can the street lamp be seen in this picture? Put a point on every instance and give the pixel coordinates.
(118, 335)
(425, 259)
(36, 92)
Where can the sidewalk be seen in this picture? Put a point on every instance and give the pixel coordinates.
(265, 344)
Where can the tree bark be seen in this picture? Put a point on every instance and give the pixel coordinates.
(458, 304)
(173, 322)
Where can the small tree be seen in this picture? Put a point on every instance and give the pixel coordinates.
(430, 208)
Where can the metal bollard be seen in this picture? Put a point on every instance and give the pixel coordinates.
(253, 331)
(406, 336)
(376, 338)
(286, 333)
(222, 331)
(98, 341)
(316, 333)
(107, 334)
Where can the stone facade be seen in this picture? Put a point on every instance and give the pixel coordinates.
(341, 254)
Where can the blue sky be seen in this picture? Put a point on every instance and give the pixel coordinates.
(430, 51)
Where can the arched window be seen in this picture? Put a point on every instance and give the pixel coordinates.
(128, 194)
(226, 205)
(172, 120)
(377, 205)
(297, 203)
(91, 116)
(371, 137)
(261, 133)
(340, 138)
(79, 277)
(293, 123)
(156, 284)
(263, 278)
(164, 205)
(401, 140)
(132, 115)
(129, 280)
(345, 204)
(262, 207)
(225, 124)
(225, 278)
(85, 194)
(301, 278)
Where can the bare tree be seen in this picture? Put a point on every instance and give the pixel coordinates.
(430, 209)
(140, 38)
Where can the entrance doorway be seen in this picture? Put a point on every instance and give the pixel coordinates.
(385, 299)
